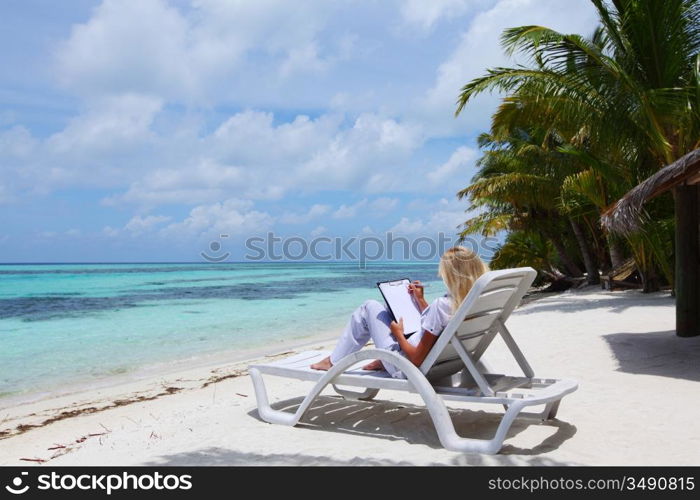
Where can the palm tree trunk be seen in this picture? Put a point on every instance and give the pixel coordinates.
(650, 281)
(593, 277)
(571, 267)
(600, 247)
(617, 258)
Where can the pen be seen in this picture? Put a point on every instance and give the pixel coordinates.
(422, 285)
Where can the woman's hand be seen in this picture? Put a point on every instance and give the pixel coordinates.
(417, 291)
(397, 329)
(416, 354)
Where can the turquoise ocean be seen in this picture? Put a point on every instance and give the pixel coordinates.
(72, 324)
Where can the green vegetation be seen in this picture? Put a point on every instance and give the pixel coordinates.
(582, 122)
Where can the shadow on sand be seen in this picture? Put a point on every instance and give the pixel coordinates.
(589, 298)
(383, 420)
(411, 423)
(225, 457)
(389, 421)
(657, 353)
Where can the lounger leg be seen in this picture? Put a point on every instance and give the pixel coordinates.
(514, 349)
(434, 403)
(438, 410)
(553, 409)
(264, 409)
(366, 395)
(549, 412)
(451, 441)
(268, 414)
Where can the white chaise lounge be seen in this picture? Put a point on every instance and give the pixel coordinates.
(451, 371)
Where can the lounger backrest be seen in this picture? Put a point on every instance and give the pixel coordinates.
(492, 299)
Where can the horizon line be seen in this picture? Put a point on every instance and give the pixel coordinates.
(216, 263)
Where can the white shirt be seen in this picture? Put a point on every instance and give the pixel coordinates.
(434, 318)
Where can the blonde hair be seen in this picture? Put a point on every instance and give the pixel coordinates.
(459, 269)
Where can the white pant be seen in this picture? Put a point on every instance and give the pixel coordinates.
(369, 321)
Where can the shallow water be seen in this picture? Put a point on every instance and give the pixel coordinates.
(71, 323)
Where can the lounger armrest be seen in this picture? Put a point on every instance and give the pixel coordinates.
(554, 392)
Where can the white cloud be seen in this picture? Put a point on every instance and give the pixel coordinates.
(110, 232)
(456, 164)
(129, 46)
(234, 217)
(249, 155)
(129, 139)
(115, 144)
(408, 226)
(189, 53)
(425, 14)
(205, 180)
(313, 212)
(349, 211)
(200, 105)
(384, 204)
(441, 216)
(17, 148)
(365, 156)
(318, 231)
(139, 224)
(109, 125)
(303, 59)
(246, 135)
(16, 143)
(479, 48)
(105, 146)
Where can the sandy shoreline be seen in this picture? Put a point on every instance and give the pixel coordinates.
(166, 371)
(19, 413)
(635, 405)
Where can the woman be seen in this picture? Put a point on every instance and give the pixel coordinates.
(459, 268)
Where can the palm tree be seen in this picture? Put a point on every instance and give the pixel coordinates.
(636, 78)
(565, 172)
(517, 188)
(521, 249)
(627, 99)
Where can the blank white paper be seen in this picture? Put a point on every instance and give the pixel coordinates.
(401, 304)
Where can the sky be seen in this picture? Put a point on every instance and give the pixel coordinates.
(143, 130)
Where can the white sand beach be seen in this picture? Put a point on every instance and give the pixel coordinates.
(636, 405)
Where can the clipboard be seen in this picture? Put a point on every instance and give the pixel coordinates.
(401, 304)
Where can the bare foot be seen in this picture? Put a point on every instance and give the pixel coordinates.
(325, 364)
(374, 365)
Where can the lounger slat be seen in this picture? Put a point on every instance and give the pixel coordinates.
(470, 343)
(512, 280)
(447, 354)
(476, 325)
(492, 301)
